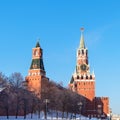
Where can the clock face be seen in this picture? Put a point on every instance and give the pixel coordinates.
(83, 67)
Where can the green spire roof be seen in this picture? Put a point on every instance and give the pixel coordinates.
(72, 80)
(82, 43)
(37, 64)
(37, 44)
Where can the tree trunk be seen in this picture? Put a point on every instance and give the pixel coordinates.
(7, 111)
(45, 114)
(16, 111)
(67, 114)
(25, 107)
(39, 112)
(62, 114)
(31, 115)
(56, 114)
(32, 112)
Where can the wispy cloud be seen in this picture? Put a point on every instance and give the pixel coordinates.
(95, 36)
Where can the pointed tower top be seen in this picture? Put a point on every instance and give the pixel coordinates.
(38, 44)
(82, 29)
(82, 43)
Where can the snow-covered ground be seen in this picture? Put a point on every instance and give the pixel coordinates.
(50, 116)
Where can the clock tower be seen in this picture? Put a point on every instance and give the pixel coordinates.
(82, 81)
(36, 74)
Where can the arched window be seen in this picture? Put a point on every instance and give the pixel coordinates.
(76, 85)
(86, 52)
(78, 52)
(82, 52)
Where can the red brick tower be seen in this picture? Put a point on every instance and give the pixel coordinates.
(82, 81)
(36, 74)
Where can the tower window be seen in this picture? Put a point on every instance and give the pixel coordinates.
(77, 77)
(82, 52)
(75, 85)
(86, 52)
(78, 52)
(81, 77)
(87, 61)
(90, 76)
(86, 77)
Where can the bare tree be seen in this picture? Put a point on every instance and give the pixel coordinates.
(33, 103)
(3, 80)
(4, 95)
(6, 101)
(15, 81)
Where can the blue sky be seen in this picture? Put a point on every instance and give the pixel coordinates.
(57, 23)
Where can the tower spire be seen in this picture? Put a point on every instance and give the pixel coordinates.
(82, 43)
(38, 44)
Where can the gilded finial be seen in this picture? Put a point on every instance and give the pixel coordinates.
(37, 44)
(82, 29)
(82, 44)
(38, 39)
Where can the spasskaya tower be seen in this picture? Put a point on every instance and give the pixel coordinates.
(82, 81)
